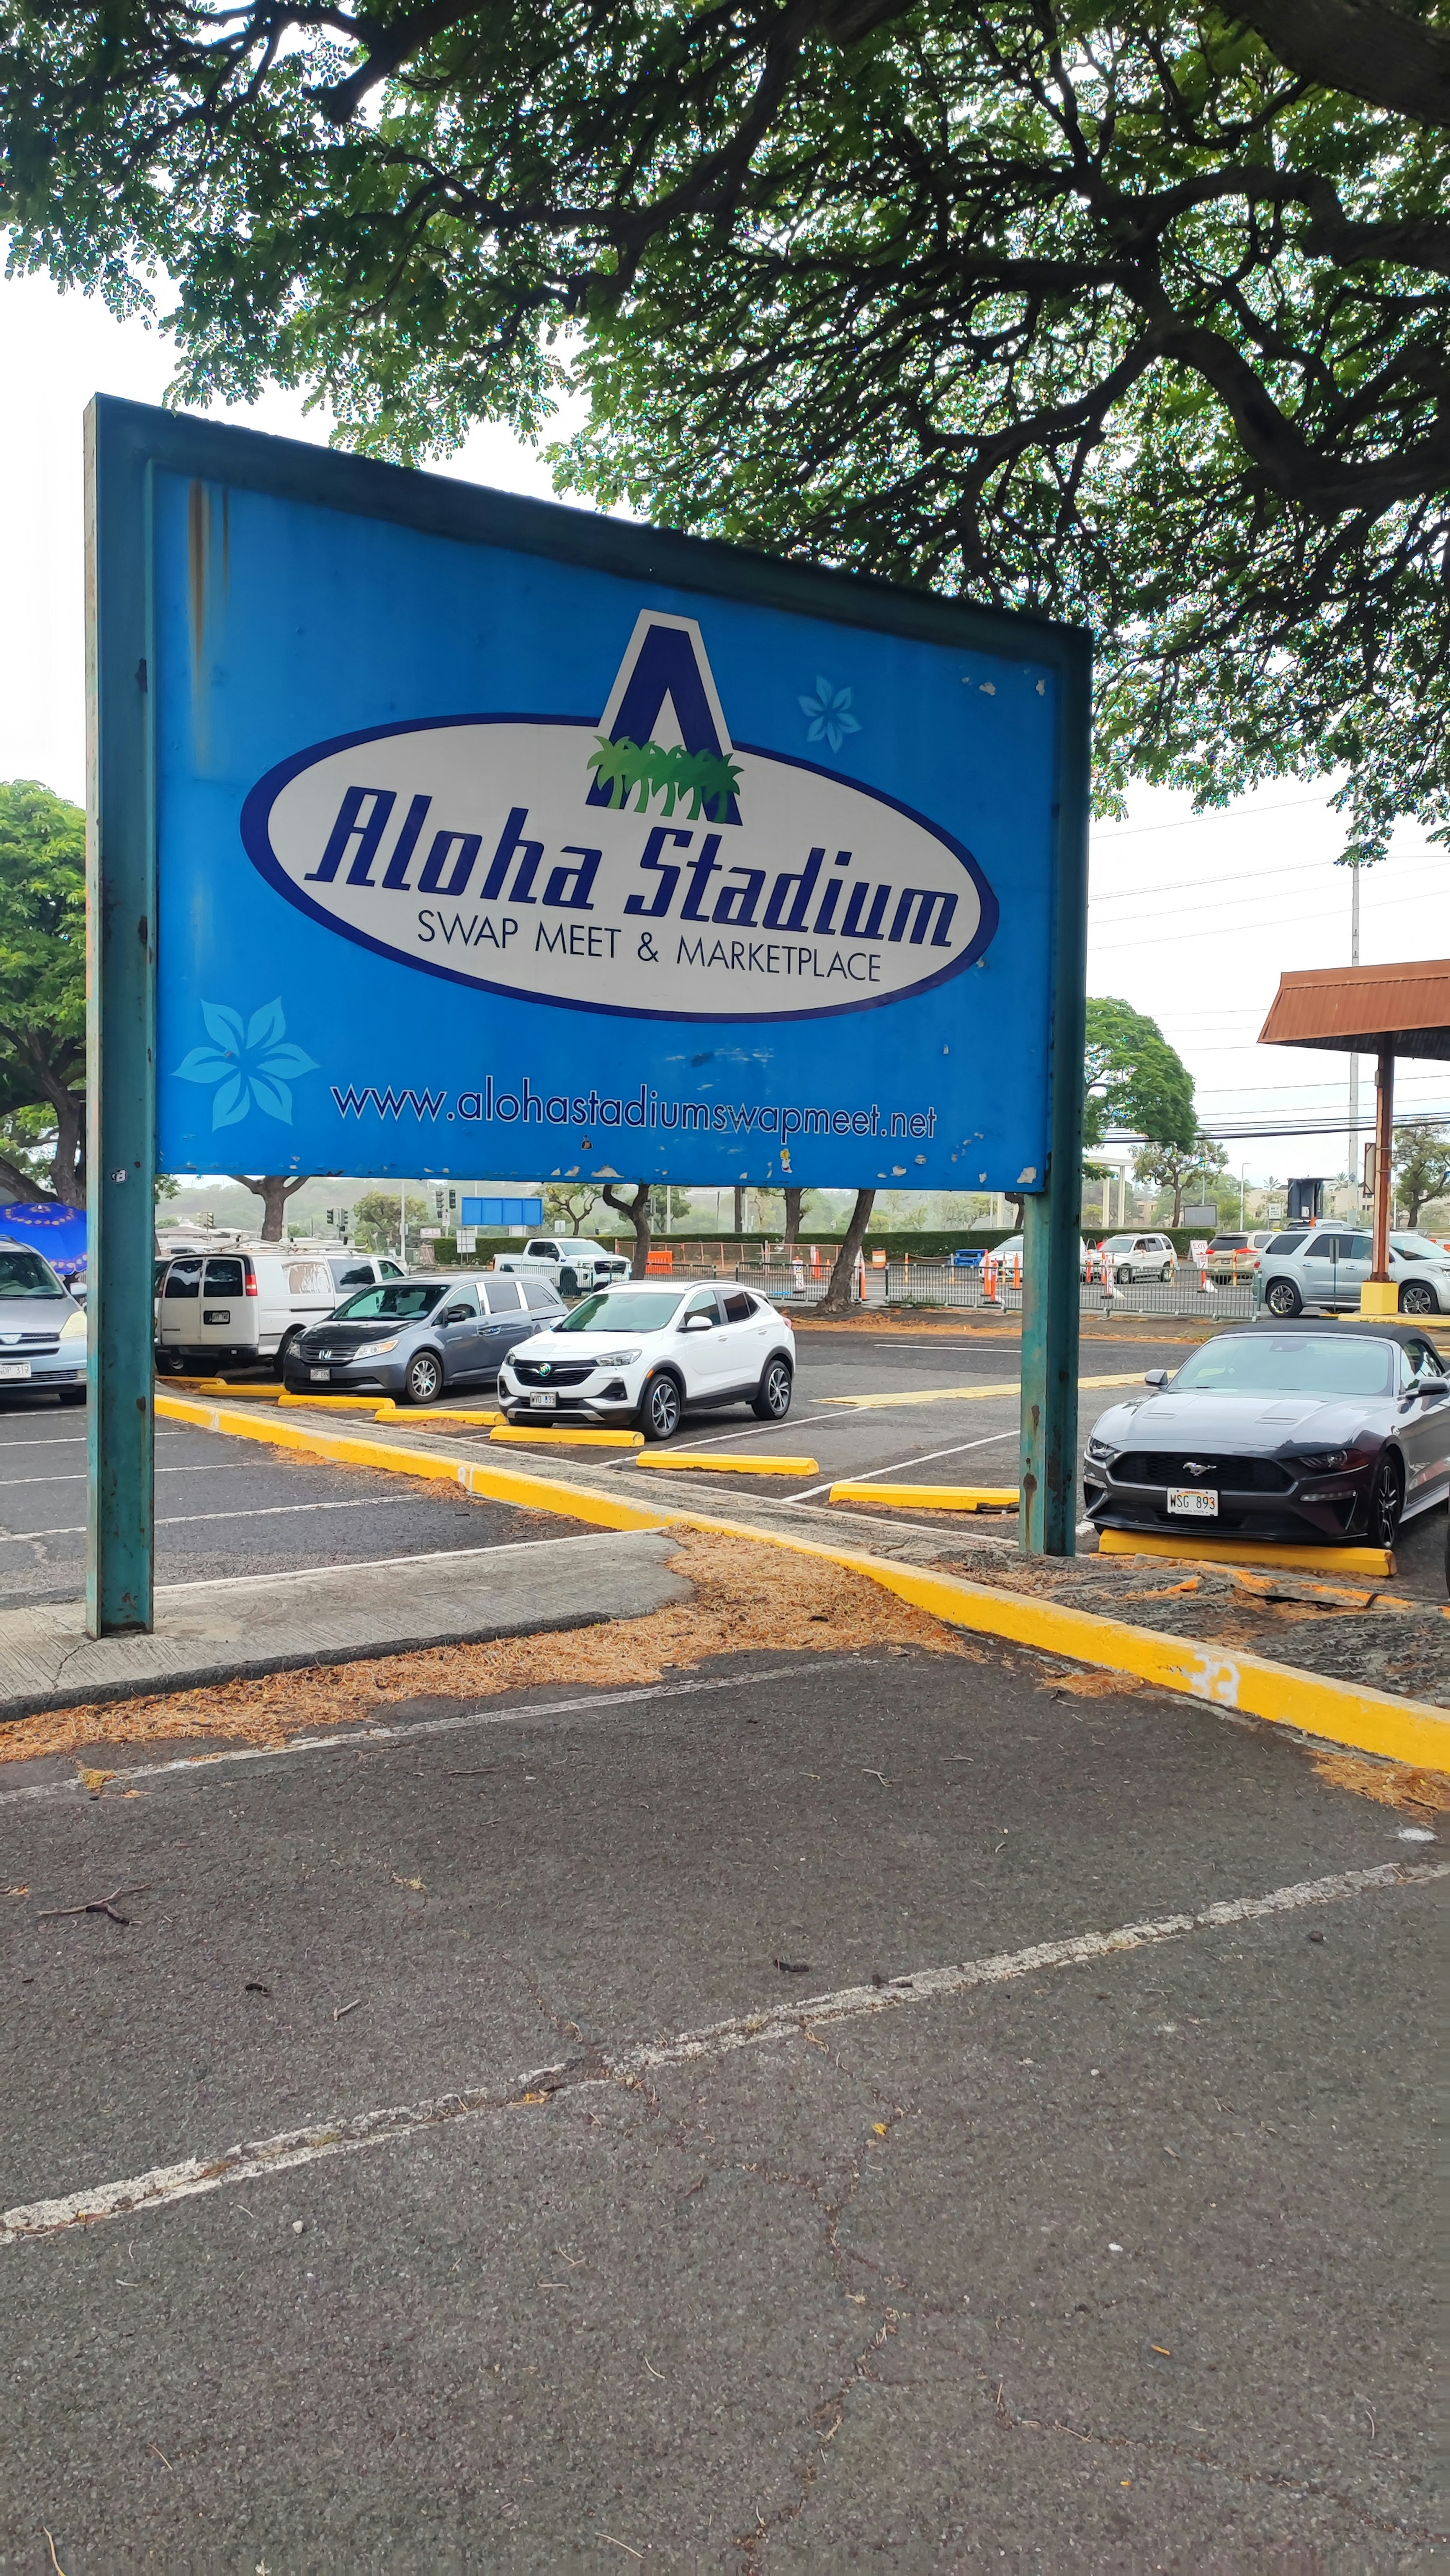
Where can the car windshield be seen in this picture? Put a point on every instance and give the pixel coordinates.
(1418, 1247)
(623, 1310)
(1288, 1364)
(26, 1274)
(400, 1305)
(1120, 1243)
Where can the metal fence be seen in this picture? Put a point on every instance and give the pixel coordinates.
(942, 1283)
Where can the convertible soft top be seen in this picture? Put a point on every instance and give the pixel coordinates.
(1360, 1328)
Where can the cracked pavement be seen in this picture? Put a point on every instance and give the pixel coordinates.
(1123, 2264)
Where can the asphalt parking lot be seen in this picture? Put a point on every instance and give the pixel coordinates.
(685, 2152)
(934, 1406)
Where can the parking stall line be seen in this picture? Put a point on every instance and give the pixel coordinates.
(186, 1520)
(166, 2185)
(189, 1767)
(992, 1440)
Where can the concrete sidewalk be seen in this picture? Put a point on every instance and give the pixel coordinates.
(218, 1631)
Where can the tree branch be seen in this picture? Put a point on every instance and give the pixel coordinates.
(1363, 48)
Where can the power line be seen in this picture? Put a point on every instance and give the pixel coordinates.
(1241, 876)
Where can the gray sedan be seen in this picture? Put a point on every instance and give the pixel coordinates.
(415, 1338)
(1311, 1430)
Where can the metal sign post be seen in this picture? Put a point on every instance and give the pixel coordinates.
(436, 831)
(121, 1028)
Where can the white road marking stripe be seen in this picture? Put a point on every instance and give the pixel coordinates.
(185, 1520)
(993, 1440)
(419, 1556)
(339, 1741)
(202, 1467)
(166, 2184)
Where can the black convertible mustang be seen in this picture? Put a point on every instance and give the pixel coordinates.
(1315, 1430)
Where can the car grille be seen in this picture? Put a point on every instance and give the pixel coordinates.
(552, 1373)
(29, 1342)
(1236, 1475)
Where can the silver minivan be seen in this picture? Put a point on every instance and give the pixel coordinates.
(1327, 1265)
(42, 1328)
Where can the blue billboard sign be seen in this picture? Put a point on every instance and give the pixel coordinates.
(493, 848)
(482, 1213)
(435, 832)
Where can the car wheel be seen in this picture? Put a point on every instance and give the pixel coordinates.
(423, 1379)
(772, 1404)
(282, 1352)
(660, 1408)
(1386, 1502)
(71, 1394)
(1166, 1274)
(1283, 1298)
(568, 1283)
(1418, 1298)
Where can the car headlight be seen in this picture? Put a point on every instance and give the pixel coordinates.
(615, 1359)
(1322, 1462)
(74, 1328)
(374, 1350)
(1100, 1449)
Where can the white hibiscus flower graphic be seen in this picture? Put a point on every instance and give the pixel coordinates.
(253, 1064)
(830, 714)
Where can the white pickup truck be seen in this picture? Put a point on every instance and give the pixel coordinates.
(573, 1263)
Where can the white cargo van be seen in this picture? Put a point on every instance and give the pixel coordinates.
(223, 1309)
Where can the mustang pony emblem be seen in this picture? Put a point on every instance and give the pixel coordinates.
(1199, 1466)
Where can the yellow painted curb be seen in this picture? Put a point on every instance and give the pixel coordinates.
(933, 1498)
(1367, 1721)
(493, 1484)
(388, 1411)
(730, 1466)
(1227, 1551)
(549, 1436)
(219, 1386)
(290, 1403)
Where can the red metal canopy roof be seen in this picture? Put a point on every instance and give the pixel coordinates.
(1358, 1010)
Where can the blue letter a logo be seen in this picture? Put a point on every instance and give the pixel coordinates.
(663, 730)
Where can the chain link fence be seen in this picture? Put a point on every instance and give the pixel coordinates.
(944, 1284)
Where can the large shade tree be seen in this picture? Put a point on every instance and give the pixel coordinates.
(43, 984)
(1133, 315)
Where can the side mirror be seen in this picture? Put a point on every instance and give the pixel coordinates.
(1156, 1377)
(459, 1315)
(698, 1324)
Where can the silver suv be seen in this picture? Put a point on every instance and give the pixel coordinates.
(1327, 1265)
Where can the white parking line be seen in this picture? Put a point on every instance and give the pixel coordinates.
(185, 1520)
(337, 1740)
(993, 1440)
(203, 1467)
(164, 2185)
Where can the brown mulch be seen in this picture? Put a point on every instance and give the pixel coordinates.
(747, 1598)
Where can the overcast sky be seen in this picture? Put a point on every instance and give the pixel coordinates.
(1192, 917)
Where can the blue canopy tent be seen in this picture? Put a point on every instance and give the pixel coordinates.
(57, 1231)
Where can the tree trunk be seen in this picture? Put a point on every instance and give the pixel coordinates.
(1178, 1201)
(1019, 1203)
(793, 1200)
(68, 1164)
(739, 1212)
(637, 1210)
(838, 1288)
(16, 1184)
(274, 1189)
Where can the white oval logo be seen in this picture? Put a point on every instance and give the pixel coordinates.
(644, 863)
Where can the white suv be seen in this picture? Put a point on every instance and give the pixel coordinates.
(1140, 1256)
(573, 1262)
(650, 1352)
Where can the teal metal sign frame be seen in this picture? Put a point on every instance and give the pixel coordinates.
(166, 498)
